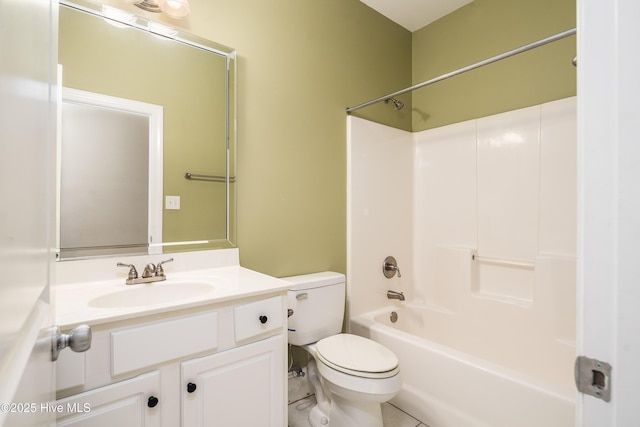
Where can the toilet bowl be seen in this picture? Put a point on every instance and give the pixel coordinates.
(351, 375)
(356, 376)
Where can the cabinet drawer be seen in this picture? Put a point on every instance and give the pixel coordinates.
(256, 318)
(147, 345)
(125, 403)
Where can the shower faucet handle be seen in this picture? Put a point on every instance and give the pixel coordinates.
(390, 267)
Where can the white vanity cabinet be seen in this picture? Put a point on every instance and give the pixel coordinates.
(239, 387)
(221, 365)
(131, 402)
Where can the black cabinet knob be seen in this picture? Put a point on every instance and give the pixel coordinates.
(191, 387)
(152, 402)
(263, 319)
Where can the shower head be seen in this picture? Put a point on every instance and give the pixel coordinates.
(397, 103)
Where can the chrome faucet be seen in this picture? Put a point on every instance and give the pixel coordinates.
(149, 270)
(395, 295)
(159, 269)
(151, 273)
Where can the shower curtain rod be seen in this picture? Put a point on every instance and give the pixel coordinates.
(487, 61)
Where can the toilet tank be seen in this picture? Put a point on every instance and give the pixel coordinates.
(317, 301)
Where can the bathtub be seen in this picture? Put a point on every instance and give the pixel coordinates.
(449, 381)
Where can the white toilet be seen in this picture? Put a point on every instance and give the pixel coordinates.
(351, 375)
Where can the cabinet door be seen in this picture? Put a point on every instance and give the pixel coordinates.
(127, 403)
(240, 387)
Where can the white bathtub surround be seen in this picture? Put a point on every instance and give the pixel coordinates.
(379, 211)
(486, 235)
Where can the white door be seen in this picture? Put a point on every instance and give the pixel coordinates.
(609, 213)
(27, 131)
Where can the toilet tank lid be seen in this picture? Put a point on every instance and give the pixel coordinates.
(315, 280)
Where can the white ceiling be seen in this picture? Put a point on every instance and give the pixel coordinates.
(415, 14)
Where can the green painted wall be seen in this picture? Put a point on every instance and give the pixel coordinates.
(301, 63)
(480, 30)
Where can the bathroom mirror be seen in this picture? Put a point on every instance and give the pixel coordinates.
(131, 60)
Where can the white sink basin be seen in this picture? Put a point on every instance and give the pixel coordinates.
(147, 294)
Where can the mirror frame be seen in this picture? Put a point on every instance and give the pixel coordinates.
(172, 33)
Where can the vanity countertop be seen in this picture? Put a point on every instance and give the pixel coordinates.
(92, 302)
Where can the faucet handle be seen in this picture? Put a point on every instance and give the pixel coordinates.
(390, 267)
(133, 273)
(159, 269)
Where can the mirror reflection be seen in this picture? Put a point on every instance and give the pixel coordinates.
(193, 85)
(98, 132)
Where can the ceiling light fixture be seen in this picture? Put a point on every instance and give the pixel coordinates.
(174, 8)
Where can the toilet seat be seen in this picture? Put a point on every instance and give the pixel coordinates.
(357, 356)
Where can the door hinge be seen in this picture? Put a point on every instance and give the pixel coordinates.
(593, 377)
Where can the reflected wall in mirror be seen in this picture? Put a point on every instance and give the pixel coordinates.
(106, 209)
(193, 80)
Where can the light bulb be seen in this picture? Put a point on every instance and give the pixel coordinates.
(175, 8)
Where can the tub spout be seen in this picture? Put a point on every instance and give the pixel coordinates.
(395, 295)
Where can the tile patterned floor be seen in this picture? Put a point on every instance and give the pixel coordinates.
(392, 416)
